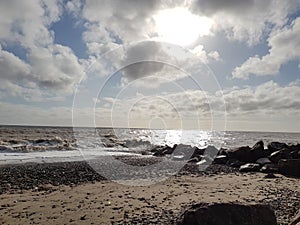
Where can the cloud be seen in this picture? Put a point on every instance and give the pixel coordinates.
(204, 56)
(284, 47)
(265, 100)
(247, 21)
(108, 20)
(265, 105)
(49, 70)
(12, 67)
(55, 67)
(150, 64)
(213, 6)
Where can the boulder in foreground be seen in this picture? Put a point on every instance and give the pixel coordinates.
(227, 214)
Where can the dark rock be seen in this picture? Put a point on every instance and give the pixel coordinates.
(83, 217)
(247, 154)
(295, 154)
(238, 153)
(269, 168)
(270, 176)
(294, 147)
(222, 151)
(276, 146)
(263, 161)
(234, 163)
(250, 167)
(181, 151)
(198, 152)
(290, 167)
(281, 154)
(296, 219)
(220, 159)
(227, 214)
(163, 150)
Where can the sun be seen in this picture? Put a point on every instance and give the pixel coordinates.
(179, 26)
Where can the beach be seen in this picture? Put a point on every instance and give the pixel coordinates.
(47, 176)
(72, 193)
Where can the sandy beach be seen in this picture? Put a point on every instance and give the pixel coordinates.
(98, 201)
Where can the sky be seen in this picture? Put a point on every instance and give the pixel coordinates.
(194, 64)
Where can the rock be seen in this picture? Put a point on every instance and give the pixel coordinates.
(247, 154)
(269, 168)
(227, 214)
(83, 217)
(270, 176)
(263, 161)
(163, 150)
(296, 219)
(295, 154)
(250, 167)
(234, 163)
(290, 167)
(281, 154)
(186, 151)
(276, 146)
(294, 147)
(198, 152)
(222, 151)
(238, 153)
(220, 159)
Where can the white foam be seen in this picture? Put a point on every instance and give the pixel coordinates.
(56, 156)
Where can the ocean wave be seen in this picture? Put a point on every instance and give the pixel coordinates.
(41, 144)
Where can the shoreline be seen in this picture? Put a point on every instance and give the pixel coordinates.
(72, 193)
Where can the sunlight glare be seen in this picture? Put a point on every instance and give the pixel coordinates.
(179, 26)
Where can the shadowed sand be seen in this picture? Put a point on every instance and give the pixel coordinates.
(106, 202)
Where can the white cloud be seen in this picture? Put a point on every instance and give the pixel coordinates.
(12, 67)
(49, 70)
(247, 20)
(204, 56)
(74, 6)
(55, 67)
(284, 47)
(267, 104)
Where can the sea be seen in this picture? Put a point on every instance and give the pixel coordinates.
(28, 144)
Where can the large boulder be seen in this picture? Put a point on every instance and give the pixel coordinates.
(247, 154)
(276, 146)
(289, 167)
(227, 214)
(281, 154)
